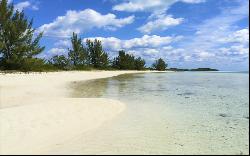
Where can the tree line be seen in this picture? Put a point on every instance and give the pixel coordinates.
(19, 46)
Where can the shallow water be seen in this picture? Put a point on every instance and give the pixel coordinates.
(170, 113)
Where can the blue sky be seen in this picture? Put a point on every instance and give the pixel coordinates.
(186, 33)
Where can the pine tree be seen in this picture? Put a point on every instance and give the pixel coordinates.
(139, 63)
(160, 65)
(78, 54)
(97, 56)
(128, 62)
(59, 61)
(18, 42)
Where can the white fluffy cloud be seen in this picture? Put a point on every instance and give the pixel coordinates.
(203, 55)
(82, 21)
(158, 19)
(239, 36)
(160, 24)
(20, 6)
(63, 43)
(219, 40)
(143, 5)
(57, 51)
(25, 4)
(149, 5)
(146, 41)
(234, 50)
(193, 1)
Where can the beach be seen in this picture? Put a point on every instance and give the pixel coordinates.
(165, 115)
(124, 112)
(37, 112)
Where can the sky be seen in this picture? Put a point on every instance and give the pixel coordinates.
(185, 33)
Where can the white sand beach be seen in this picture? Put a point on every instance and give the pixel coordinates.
(37, 114)
(156, 113)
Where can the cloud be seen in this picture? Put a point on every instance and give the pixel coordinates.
(26, 4)
(219, 40)
(20, 6)
(202, 55)
(239, 36)
(149, 5)
(160, 24)
(143, 5)
(193, 1)
(57, 51)
(235, 50)
(82, 21)
(63, 43)
(146, 41)
(158, 20)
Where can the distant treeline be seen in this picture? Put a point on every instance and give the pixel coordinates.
(92, 56)
(197, 69)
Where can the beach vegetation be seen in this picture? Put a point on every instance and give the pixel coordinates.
(77, 55)
(18, 42)
(126, 61)
(60, 62)
(98, 58)
(160, 65)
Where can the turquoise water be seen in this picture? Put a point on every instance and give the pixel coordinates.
(171, 113)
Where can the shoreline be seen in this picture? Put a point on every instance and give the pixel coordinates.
(37, 112)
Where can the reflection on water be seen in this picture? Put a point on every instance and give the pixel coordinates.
(91, 88)
(99, 87)
(171, 113)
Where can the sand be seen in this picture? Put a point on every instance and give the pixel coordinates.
(37, 114)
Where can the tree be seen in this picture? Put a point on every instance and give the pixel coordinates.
(128, 62)
(97, 56)
(160, 65)
(104, 61)
(18, 44)
(124, 61)
(139, 63)
(59, 61)
(78, 54)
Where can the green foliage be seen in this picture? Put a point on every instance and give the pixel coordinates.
(18, 44)
(97, 56)
(204, 69)
(78, 54)
(25, 65)
(82, 58)
(60, 62)
(139, 63)
(160, 65)
(128, 62)
(124, 61)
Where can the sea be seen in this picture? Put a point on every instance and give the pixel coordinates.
(171, 113)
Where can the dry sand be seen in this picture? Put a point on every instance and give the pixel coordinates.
(37, 114)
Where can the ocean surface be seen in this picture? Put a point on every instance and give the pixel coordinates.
(171, 113)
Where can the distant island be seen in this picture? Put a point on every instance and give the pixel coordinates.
(197, 69)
